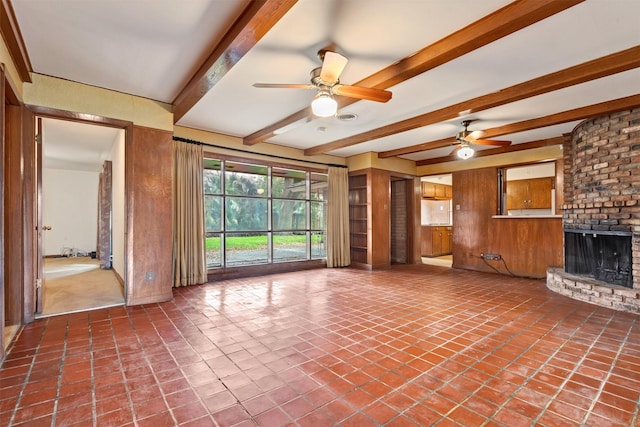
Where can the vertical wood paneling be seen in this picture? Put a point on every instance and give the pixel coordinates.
(13, 218)
(2, 211)
(528, 245)
(149, 196)
(380, 222)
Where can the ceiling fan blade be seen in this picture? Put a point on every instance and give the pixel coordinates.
(360, 92)
(475, 135)
(284, 86)
(455, 150)
(496, 143)
(332, 66)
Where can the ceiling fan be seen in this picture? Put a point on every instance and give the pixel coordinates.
(326, 80)
(466, 138)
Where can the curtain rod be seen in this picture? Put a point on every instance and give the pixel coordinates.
(191, 141)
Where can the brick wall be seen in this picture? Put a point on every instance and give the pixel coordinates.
(602, 193)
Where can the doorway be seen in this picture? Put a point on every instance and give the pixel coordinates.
(78, 273)
(401, 189)
(436, 219)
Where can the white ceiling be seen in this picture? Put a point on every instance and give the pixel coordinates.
(151, 48)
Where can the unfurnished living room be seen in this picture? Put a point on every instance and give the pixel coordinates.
(320, 213)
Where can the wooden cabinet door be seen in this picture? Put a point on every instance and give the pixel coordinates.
(428, 189)
(540, 189)
(448, 191)
(447, 240)
(436, 241)
(440, 191)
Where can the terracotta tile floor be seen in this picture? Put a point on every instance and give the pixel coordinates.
(412, 346)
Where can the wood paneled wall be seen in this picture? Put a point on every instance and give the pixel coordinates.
(13, 218)
(149, 198)
(528, 245)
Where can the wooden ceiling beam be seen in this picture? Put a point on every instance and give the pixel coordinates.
(624, 60)
(256, 20)
(505, 21)
(558, 140)
(582, 113)
(13, 39)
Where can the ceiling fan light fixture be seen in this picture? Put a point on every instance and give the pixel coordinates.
(323, 105)
(465, 152)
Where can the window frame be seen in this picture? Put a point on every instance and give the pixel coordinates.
(311, 252)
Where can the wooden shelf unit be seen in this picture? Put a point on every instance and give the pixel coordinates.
(358, 218)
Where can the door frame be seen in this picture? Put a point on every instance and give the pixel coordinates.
(53, 113)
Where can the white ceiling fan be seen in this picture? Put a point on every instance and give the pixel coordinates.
(326, 81)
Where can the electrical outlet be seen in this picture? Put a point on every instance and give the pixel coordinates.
(150, 275)
(492, 257)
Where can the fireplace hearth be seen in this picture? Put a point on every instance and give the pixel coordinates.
(603, 256)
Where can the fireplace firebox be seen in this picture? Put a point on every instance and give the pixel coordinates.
(604, 255)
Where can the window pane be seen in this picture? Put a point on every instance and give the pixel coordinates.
(289, 246)
(212, 213)
(288, 184)
(289, 215)
(246, 248)
(245, 214)
(318, 248)
(318, 216)
(213, 250)
(212, 176)
(245, 180)
(319, 186)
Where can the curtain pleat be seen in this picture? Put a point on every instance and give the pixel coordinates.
(338, 252)
(189, 259)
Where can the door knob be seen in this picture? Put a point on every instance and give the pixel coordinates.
(46, 227)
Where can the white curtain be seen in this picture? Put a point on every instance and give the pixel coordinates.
(189, 261)
(338, 254)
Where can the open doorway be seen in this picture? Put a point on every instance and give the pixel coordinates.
(82, 249)
(436, 219)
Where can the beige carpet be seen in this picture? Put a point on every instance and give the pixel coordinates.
(78, 284)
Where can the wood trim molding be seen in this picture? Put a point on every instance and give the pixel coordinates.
(55, 113)
(13, 38)
(256, 20)
(624, 60)
(507, 20)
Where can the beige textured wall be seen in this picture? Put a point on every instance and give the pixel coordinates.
(254, 151)
(371, 160)
(52, 92)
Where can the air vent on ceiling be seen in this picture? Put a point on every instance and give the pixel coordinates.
(346, 117)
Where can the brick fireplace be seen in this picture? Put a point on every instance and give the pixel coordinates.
(602, 208)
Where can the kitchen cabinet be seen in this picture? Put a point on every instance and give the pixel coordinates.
(437, 240)
(529, 193)
(431, 190)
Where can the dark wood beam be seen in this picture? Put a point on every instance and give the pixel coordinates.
(581, 113)
(558, 140)
(607, 65)
(13, 39)
(431, 145)
(256, 20)
(505, 21)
